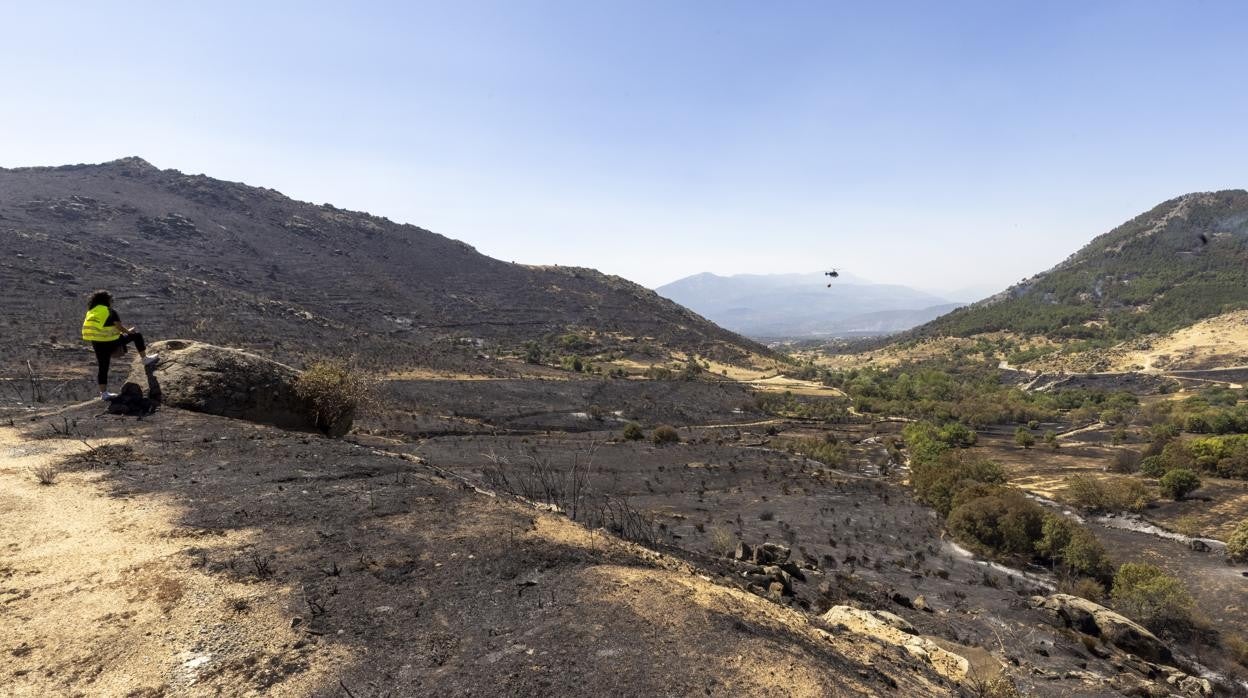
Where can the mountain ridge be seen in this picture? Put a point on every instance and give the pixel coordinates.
(1175, 264)
(189, 254)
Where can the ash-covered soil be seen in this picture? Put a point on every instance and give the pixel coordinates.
(193, 555)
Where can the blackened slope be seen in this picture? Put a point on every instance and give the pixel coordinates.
(191, 255)
(1184, 260)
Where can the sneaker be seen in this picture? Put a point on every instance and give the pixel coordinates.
(151, 359)
(106, 396)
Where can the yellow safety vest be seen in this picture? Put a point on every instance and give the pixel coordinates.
(93, 329)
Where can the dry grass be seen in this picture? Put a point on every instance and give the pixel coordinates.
(45, 473)
(723, 542)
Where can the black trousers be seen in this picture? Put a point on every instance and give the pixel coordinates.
(104, 352)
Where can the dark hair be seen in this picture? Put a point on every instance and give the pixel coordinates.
(100, 298)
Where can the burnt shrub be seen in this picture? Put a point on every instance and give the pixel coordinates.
(334, 390)
(1125, 461)
(665, 434)
(633, 432)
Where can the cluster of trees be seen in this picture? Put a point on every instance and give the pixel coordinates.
(1221, 456)
(787, 404)
(1213, 411)
(972, 395)
(990, 517)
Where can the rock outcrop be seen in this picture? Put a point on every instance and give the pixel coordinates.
(1096, 620)
(895, 630)
(232, 383)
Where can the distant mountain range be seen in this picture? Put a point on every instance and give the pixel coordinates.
(1181, 262)
(804, 305)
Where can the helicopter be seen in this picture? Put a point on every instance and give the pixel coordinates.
(832, 274)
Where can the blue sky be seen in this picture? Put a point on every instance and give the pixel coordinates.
(940, 145)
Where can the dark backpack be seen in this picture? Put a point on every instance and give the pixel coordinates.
(130, 401)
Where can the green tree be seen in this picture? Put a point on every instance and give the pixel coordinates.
(1055, 535)
(1179, 483)
(1085, 555)
(1023, 437)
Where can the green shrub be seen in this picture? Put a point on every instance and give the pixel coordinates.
(665, 434)
(957, 435)
(1023, 437)
(1050, 440)
(1055, 535)
(1110, 494)
(817, 449)
(1153, 466)
(1178, 483)
(923, 442)
(1237, 543)
(1152, 597)
(533, 353)
(633, 432)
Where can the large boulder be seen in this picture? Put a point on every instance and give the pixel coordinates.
(1096, 620)
(231, 383)
(894, 630)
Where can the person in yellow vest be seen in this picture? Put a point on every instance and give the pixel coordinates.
(103, 329)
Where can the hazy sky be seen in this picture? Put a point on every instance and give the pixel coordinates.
(936, 144)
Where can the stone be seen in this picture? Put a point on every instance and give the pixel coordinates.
(743, 552)
(1096, 620)
(231, 383)
(1194, 686)
(771, 554)
(1198, 545)
(901, 599)
(793, 570)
